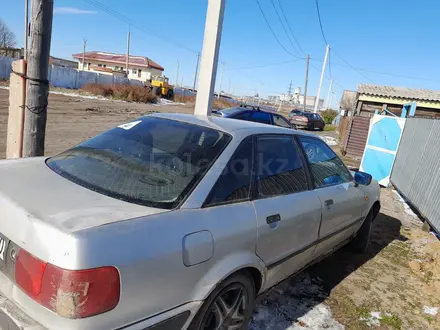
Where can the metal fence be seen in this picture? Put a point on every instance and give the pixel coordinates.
(416, 171)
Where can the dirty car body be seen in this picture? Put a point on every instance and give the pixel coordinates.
(147, 226)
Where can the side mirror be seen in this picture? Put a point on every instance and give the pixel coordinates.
(362, 178)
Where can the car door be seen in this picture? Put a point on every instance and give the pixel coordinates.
(342, 201)
(288, 212)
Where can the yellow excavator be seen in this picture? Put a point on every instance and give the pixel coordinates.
(160, 86)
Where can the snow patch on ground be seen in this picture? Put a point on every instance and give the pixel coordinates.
(90, 97)
(295, 305)
(430, 310)
(159, 103)
(406, 207)
(374, 319)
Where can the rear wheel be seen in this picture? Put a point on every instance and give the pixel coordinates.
(170, 94)
(229, 306)
(359, 244)
(157, 91)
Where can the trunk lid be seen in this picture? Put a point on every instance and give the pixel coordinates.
(32, 195)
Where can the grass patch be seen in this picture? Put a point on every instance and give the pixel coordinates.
(391, 320)
(121, 92)
(216, 104)
(328, 128)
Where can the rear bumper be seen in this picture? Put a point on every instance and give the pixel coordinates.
(13, 318)
(299, 123)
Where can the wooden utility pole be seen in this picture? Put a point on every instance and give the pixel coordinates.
(37, 86)
(221, 80)
(324, 64)
(84, 54)
(177, 73)
(197, 71)
(128, 52)
(307, 82)
(329, 91)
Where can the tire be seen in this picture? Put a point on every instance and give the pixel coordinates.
(170, 94)
(157, 91)
(360, 242)
(224, 301)
(322, 128)
(311, 127)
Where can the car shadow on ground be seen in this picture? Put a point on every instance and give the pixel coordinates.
(297, 300)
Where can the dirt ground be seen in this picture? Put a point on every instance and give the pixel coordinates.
(72, 120)
(395, 285)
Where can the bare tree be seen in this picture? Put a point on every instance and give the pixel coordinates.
(7, 37)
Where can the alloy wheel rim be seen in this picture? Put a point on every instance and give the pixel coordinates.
(228, 310)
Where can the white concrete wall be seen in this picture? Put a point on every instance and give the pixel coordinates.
(70, 78)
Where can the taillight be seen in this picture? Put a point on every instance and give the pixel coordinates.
(69, 293)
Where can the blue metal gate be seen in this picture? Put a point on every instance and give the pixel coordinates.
(382, 143)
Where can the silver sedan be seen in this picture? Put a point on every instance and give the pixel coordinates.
(171, 222)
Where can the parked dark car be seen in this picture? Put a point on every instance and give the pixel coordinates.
(255, 115)
(294, 113)
(308, 120)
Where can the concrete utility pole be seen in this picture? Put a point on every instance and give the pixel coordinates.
(221, 80)
(177, 73)
(322, 78)
(331, 100)
(26, 28)
(290, 88)
(197, 71)
(37, 85)
(307, 82)
(229, 88)
(84, 54)
(329, 91)
(208, 65)
(128, 52)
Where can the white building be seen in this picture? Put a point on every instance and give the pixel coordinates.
(139, 67)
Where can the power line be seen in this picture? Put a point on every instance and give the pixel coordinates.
(137, 25)
(271, 30)
(351, 66)
(290, 28)
(263, 65)
(320, 22)
(325, 40)
(284, 27)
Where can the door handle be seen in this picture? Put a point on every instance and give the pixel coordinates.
(273, 218)
(329, 202)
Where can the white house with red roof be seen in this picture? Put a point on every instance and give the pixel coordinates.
(139, 67)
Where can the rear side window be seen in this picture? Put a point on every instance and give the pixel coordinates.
(280, 121)
(326, 167)
(280, 170)
(260, 117)
(235, 181)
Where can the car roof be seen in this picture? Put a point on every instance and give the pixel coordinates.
(229, 125)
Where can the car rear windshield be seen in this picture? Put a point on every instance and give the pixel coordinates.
(151, 161)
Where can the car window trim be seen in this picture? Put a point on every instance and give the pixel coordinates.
(310, 186)
(217, 182)
(309, 165)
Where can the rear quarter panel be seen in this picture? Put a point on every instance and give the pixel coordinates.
(148, 253)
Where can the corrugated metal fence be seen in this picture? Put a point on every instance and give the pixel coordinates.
(416, 171)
